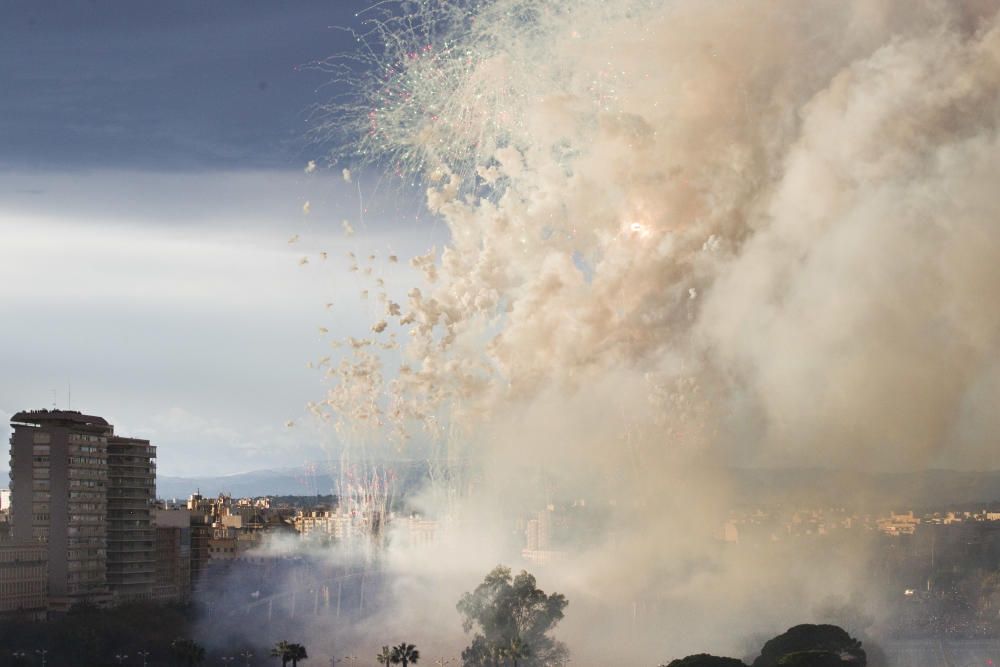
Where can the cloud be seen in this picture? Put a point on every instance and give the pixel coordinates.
(148, 291)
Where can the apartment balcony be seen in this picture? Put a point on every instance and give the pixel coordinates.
(87, 472)
(131, 547)
(134, 508)
(131, 489)
(128, 449)
(145, 556)
(122, 527)
(141, 494)
(76, 510)
(85, 517)
(131, 522)
(120, 541)
(132, 535)
(132, 467)
(120, 560)
(131, 481)
(131, 505)
(145, 575)
(120, 545)
(131, 565)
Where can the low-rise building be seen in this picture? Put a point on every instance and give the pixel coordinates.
(201, 535)
(899, 524)
(173, 554)
(222, 547)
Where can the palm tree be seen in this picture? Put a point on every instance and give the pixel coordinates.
(404, 654)
(385, 657)
(280, 650)
(289, 653)
(188, 652)
(297, 652)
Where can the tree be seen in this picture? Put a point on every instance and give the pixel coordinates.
(516, 651)
(481, 653)
(511, 611)
(385, 657)
(404, 654)
(814, 659)
(706, 660)
(811, 641)
(280, 650)
(297, 652)
(289, 653)
(188, 652)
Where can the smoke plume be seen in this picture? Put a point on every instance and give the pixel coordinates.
(684, 237)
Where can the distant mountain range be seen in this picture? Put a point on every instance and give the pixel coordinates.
(799, 487)
(293, 482)
(314, 479)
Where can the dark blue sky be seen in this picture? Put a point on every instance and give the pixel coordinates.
(163, 85)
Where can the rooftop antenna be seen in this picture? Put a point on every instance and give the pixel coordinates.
(53, 399)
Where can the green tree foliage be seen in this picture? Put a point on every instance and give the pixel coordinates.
(297, 652)
(91, 636)
(404, 654)
(516, 651)
(875, 654)
(706, 660)
(385, 657)
(280, 650)
(511, 615)
(289, 653)
(811, 640)
(187, 652)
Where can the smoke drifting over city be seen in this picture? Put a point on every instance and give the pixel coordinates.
(687, 308)
(685, 237)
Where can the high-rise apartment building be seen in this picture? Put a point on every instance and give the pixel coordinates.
(130, 529)
(86, 494)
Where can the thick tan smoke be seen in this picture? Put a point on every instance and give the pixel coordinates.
(693, 235)
(862, 312)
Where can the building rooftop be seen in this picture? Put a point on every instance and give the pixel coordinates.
(40, 417)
